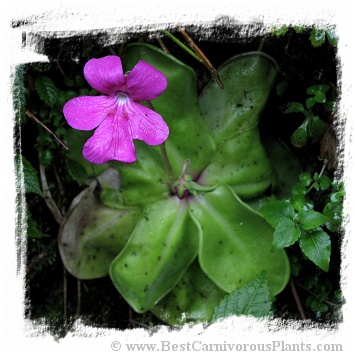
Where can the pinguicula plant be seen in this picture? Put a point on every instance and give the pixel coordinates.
(172, 226)
(176, 200)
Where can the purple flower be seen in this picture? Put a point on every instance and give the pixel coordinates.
(118, 116)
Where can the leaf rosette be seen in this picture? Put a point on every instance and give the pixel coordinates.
(185, 254)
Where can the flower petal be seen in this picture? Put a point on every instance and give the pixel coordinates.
(86, 113)
(146, 124)
(112, 140)
(145, 82)
(105, 74)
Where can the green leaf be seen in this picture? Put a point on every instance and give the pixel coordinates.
(162, 246)
(252, 299)
(31, 180)
(248, 80)
(325, 182)
(317, 37)
(316, 246)
(91, 234)
(193, 299)
(237, 240)
(281, 87)
(330, 105)
(316, 88)
(310, 103)
(333, 210)
(311, 219)
(296, 107)
(232, 115)
(332, 36)
(298, 202)
(46, 157)
(299, 29)
(241, 163)
(286, 233)
(320, 97)
(276, 211)
(305, 178)
(76, 171)
(299, 189)
(316, 128)
(32, 229)
(279, 31)
(46, 90)
(286, 166)
(299, 137)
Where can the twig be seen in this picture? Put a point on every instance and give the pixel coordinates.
(201, 55)
(298, 301)
(192, 53)
(162, 45)
(313, 184)
(60, 69)
(120, 50)
(32, 116)
(48, 196)
(111, 50)
(262, 43)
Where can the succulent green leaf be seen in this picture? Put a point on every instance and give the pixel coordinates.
(137, 189)
(46, 90)
(276, 211)
(286, 233)
(248, 79)
(235, 242)
(242, 163)
(310, 219)
(162, 246)
(316, 246)
(193, 299)
(251, 299)
(91, 234)
(189, 136)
